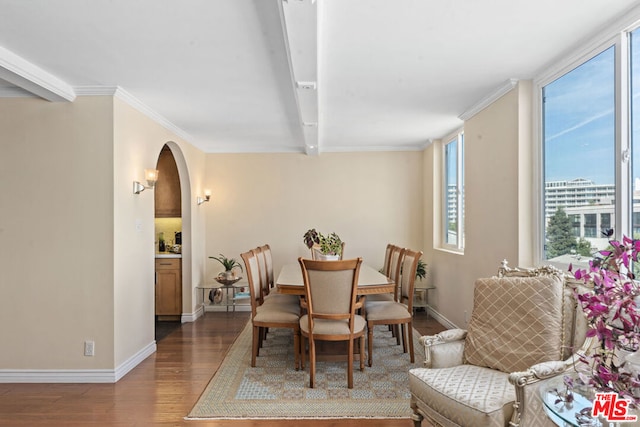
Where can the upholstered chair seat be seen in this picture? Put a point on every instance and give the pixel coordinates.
(380, 310)
(276, 315)
(279, 299)
(466, 395)
(332, 327)
(290, 306)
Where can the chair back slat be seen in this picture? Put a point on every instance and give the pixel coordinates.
(387, 259)
(395, 267)
(264, 276)
(408, 276)
(253, 277)
(266, 250)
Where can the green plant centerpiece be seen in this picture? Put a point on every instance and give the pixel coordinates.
(327, 245)
(229, 264)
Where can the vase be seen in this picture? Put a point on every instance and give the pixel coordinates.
(325, 257)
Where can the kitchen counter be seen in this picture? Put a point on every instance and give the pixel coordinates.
(167, 255)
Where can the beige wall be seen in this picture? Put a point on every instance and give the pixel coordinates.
(56, 238)
(76, 245)
(369, 199)
(138, 141)
(498, 182)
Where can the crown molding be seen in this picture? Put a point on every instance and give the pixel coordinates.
(489, 99)
(15, 92)
(22, 73)
(132, 101)
(373, 148)
(96, 90)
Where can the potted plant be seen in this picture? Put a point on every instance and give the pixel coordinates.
(421, 271)
(327, 247)
(229, 264)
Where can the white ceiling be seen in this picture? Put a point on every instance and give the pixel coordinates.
(388, 74)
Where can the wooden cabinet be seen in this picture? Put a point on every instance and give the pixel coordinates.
(167, 189)
(168, 288)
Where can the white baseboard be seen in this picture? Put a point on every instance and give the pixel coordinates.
(76, 375)
(135, 360)
(441, 319)
(192, 317)
(242, 307)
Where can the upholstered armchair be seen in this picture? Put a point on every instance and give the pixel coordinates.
(525, 328)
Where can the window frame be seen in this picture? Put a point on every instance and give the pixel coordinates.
(456, 137)
(620, 41)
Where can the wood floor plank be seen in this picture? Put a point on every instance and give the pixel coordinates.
(161, 390)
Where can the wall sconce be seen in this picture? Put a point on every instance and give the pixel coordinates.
(207, 196)
(151, 175)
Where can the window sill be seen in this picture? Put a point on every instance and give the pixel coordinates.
(451, 251)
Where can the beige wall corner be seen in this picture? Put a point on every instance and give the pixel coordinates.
(497, 218)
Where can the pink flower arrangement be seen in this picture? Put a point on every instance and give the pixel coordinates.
(613, 317)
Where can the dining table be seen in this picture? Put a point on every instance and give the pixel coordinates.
(370, 281)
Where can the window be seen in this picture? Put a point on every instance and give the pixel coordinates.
(605, 222)
(590, 225)
(575, 225)
(453, 193)
(590, 129)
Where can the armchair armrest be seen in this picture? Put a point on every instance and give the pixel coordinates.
(444, 349)
(527, 383)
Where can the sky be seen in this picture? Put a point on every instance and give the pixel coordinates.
(579, 121)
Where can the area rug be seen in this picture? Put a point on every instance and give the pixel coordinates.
(275, 390)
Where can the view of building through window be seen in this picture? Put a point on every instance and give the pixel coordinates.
(454, 192)
(579, 151)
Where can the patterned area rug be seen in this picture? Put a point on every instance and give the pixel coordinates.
(273, 389)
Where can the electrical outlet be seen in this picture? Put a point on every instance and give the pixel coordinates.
(466, 317)
(89, 348)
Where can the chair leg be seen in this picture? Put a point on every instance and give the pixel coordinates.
(312, 362)
(396, 333)
(350, 365)
(404, 338)
(254, 345)
(370, 342)
(410, 335)
(303, 352)
(296, 348)
(261, 336)
(362, 352)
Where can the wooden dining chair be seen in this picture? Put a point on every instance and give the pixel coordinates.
(271, 316)
(390, 269)
(398, 312)
(265, 266)
(331, 303)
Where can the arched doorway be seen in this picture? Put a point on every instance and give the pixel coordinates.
(173, 232)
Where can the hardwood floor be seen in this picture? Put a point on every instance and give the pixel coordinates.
(161, 390)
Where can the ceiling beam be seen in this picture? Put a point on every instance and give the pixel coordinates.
(22, 73)
(299, 20)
